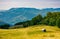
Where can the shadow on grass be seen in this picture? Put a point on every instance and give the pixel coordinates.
(1, 37)
(11, 34)
(52, 36)
(38, 32)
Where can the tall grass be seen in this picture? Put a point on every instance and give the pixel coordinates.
(34, 32)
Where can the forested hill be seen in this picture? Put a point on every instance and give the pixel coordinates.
(52, 19)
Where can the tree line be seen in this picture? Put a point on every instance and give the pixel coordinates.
(51, 18)
(4, 26)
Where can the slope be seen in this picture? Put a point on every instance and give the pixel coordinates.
(33, 32)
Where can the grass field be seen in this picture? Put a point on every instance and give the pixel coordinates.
(34, 32)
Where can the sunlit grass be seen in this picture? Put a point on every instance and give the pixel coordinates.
(33, 32)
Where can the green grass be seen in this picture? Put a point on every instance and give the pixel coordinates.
(33, 32)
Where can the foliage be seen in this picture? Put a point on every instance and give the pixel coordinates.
(4, 26)
(35, 21)
(52, 18)
(58, 22)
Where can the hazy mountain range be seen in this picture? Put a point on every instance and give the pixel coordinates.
(15, 15)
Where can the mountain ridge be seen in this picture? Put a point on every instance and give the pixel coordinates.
(15, 15)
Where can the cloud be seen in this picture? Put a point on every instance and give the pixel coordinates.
(6, 4)
(26, 0)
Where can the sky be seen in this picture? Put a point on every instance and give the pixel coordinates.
(7, 4)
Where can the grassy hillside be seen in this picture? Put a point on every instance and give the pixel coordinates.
(33, 32)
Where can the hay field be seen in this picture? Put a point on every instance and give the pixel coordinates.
(34, 32)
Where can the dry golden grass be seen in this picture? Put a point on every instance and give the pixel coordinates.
(31, 33)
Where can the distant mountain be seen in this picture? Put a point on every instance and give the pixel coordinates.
(1, 23)
(15, 15)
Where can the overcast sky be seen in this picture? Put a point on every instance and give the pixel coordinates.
(7, 4)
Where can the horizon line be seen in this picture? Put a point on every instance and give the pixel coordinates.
(30, 7)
